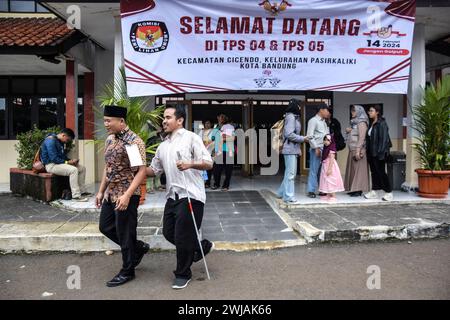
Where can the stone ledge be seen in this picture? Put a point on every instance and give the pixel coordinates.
(366, 233)
(98, 243)
(45, 187)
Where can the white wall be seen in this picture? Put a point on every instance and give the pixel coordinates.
(8, 159)
(392, 109)
(445, 71)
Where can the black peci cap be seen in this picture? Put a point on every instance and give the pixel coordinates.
(115, 111)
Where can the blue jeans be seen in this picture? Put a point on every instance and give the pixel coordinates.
(287, 187)
(314, 166)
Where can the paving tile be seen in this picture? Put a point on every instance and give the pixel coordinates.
(233, 229)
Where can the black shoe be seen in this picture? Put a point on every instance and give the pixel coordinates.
(86, 194)
(66, 195)
(321, 194)
(119, 280)
(145, 248)
(214, 187)
(180, 283)
(208, 248)
(356, 194)
(311, 194)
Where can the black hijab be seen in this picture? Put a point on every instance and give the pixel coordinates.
(331, 147)
(293, 107)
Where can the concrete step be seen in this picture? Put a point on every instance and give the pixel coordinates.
(424, 230)
(85, 237)
(367, 222)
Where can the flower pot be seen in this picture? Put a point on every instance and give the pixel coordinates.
(143, 187)
(433, 184)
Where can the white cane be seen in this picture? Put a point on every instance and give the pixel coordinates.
(193, 218)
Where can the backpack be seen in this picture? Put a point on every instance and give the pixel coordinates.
(38, 166)
(335, 128)
(340, 141)
(277, 135)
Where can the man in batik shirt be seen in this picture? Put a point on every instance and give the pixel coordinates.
(119, 191)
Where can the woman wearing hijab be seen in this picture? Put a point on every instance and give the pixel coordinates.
(291, 151)
(357, 172)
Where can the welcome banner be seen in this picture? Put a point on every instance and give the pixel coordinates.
(180, 46)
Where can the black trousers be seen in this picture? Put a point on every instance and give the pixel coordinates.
(380, 180)
(163, 179)
(178, 229)
(120, 227)
(227, 163)
(209, 172)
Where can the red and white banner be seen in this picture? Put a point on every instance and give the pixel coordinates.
(182, 46)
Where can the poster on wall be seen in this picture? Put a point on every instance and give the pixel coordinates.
(181, 46)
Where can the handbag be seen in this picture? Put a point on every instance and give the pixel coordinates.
(38, 166)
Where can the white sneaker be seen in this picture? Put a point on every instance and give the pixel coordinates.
(388, 196)
(371, 195)
(180, 283)
(81, 199)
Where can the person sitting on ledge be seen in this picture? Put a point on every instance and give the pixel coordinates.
(57, 162)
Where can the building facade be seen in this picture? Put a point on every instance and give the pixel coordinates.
(51, 74)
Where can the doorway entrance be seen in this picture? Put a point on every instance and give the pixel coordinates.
(256, 113)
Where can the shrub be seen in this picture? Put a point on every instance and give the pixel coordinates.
(432, 122)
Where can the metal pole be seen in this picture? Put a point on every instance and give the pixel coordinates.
(193, 218)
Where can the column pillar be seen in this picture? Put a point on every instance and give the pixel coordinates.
(118, 51)
(437, 76)
(415, 93)
(72, 100)
(88, 106)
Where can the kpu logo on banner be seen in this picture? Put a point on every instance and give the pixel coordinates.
(149, 36)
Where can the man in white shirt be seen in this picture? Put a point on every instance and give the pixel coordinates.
(224, 152)
(317, 129)
(178, 225)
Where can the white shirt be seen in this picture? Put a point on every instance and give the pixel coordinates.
(317, 128)
(191, 148)
(228, 129)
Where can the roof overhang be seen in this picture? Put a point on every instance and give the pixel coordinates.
(18, 65)
(441, 46)
(61, 48)
(98, 18)
(44, 35)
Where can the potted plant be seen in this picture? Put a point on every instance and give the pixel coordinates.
(432, 122)
(138, 118)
